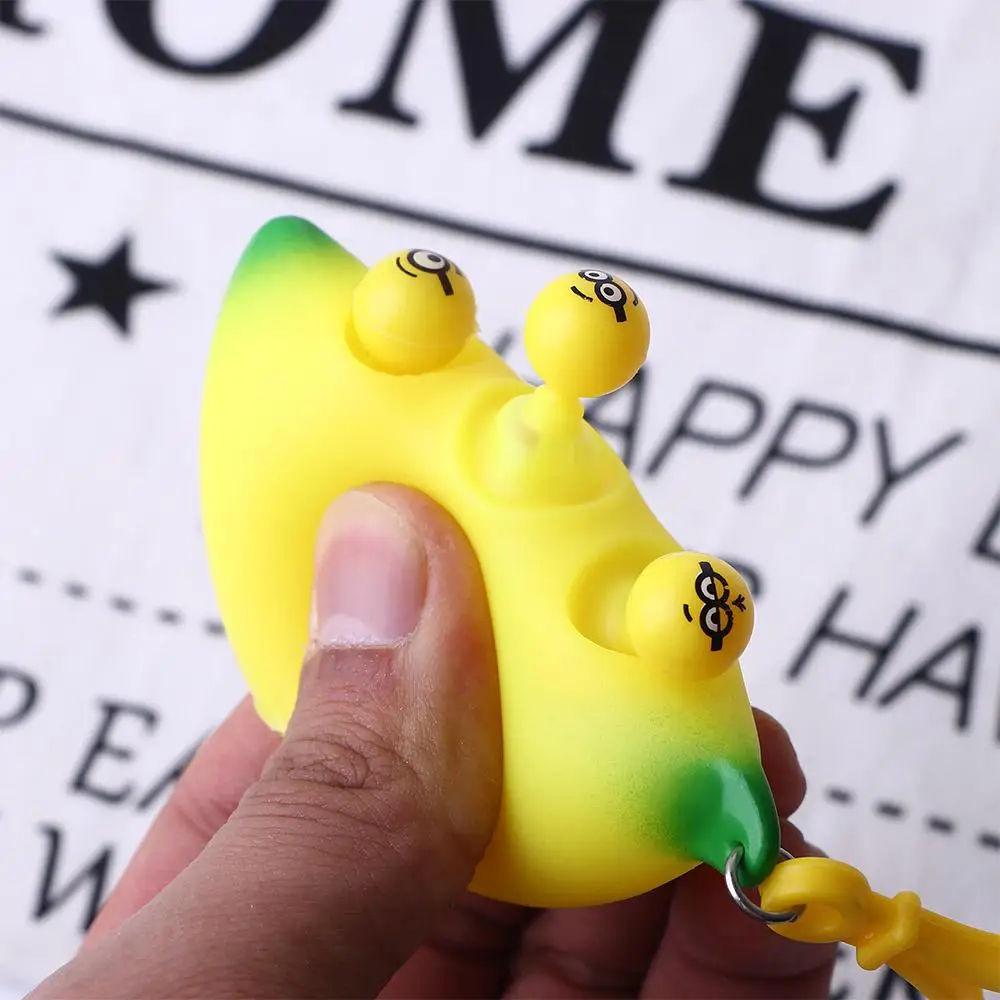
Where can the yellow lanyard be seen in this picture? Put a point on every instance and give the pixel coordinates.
(819, 900)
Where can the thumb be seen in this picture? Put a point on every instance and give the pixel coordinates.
(380, 801)
(369, 818)
(394, 745)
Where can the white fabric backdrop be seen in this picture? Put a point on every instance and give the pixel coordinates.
(830, 389)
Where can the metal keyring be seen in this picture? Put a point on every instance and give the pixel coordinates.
(740, 898)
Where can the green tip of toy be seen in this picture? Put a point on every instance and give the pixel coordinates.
(719, 805)
(285, 237)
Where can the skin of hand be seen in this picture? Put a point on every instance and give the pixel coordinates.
(334, 862)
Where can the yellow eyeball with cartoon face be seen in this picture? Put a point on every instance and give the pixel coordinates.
(586, 333)
(691, 613)
(413, 312)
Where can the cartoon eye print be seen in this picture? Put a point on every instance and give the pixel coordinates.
(707, 585)
(606, 290)
(430, 262)
(610, 294)
(716, 617)
(716, 621)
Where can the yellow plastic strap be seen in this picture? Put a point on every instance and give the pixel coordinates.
(943, 959)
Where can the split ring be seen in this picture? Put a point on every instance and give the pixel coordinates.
(740, 898)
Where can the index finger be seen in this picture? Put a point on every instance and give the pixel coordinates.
(713, 949)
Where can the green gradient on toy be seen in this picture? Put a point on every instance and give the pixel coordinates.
(290, 275)
(280, 241)
(712, 805)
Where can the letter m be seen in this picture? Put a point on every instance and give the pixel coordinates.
(491, 81)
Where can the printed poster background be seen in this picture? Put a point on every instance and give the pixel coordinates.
(804, 193)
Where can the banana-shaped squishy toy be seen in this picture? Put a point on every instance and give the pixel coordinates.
(630, 752)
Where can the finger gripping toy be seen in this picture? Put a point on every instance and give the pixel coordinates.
(630, 751)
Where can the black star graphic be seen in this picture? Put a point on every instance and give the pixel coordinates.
(110, 285)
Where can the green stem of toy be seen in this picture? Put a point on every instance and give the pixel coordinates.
(720, 805)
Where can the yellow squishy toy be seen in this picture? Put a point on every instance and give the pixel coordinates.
(630, 752)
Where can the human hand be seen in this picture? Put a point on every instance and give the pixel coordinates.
(334, 862)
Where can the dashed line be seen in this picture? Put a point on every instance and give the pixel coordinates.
(934, 822)
(74, 590)
(891, 810)
(940, 824)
